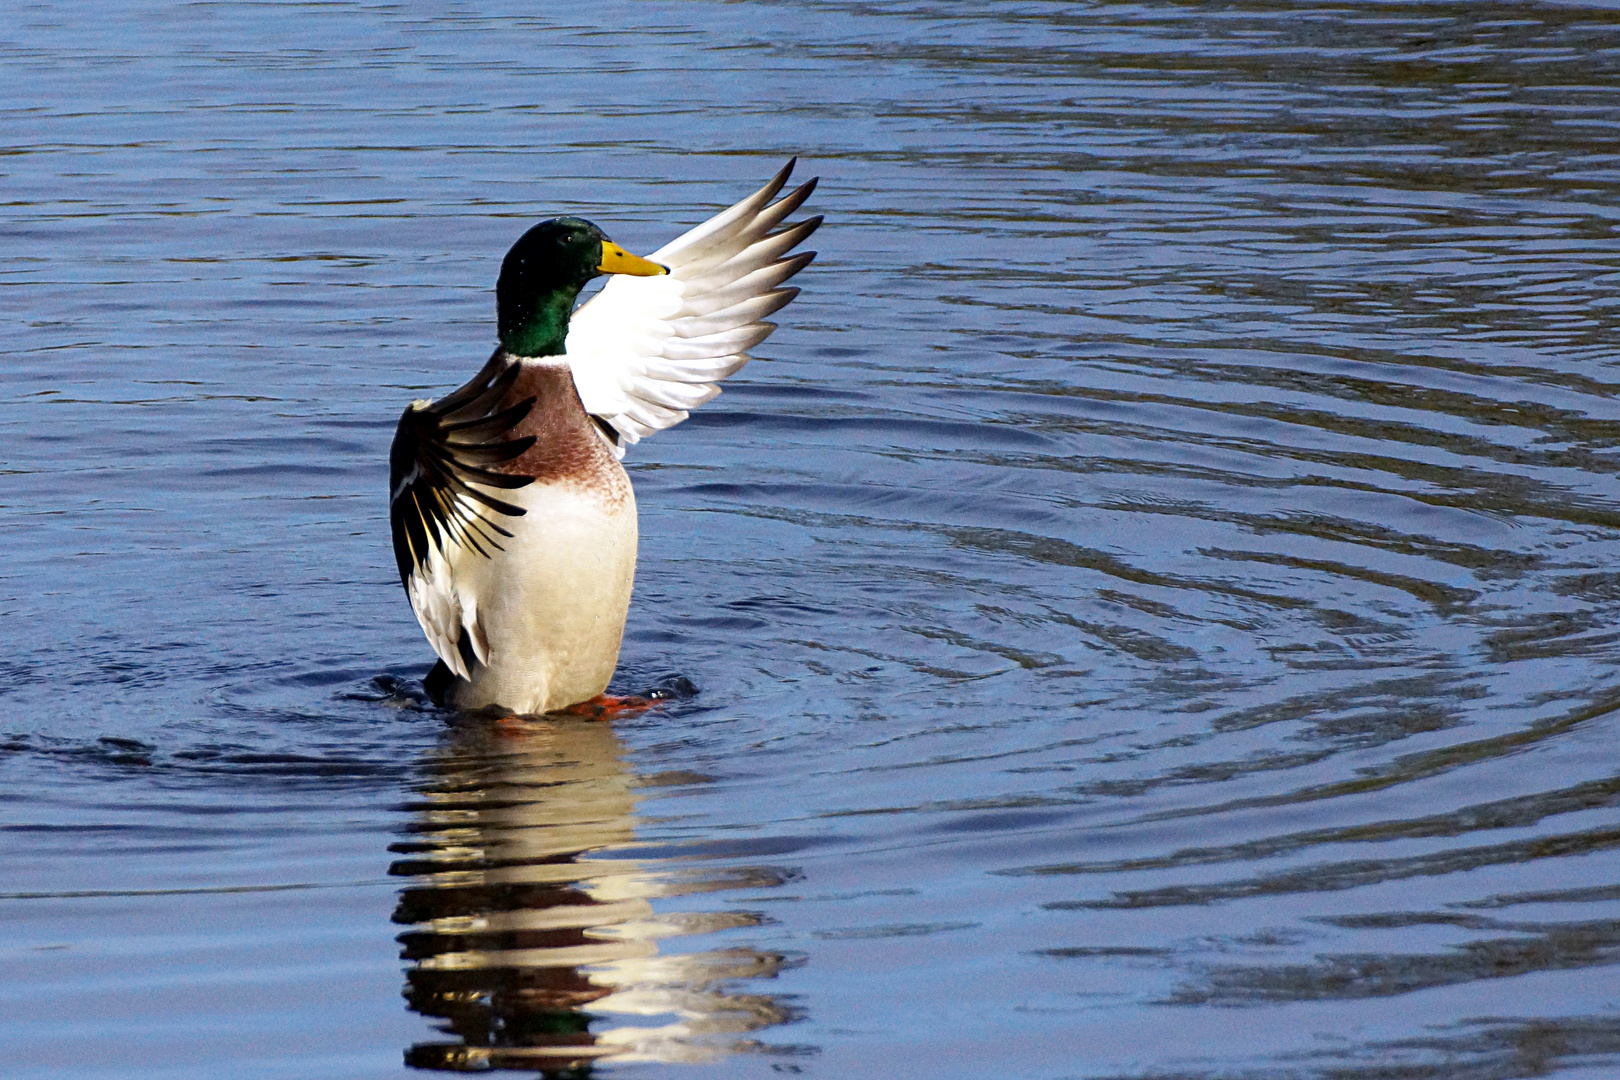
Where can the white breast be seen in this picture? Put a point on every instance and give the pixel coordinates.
(552, 605)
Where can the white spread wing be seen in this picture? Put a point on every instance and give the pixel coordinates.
(647, 350)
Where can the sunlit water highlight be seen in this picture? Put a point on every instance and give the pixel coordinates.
(1153, 603)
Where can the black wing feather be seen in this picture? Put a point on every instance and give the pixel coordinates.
(443, 448)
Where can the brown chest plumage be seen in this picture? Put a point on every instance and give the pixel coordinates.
(567, 448)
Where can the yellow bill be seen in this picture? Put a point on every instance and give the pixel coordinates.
(616, 260)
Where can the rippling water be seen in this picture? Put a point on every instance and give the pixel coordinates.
(1153, 605)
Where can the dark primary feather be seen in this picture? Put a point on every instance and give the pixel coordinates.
(447, 446)
(609, 432)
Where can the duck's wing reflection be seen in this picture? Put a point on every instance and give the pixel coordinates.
(538, 954)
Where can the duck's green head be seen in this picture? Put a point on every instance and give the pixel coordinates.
(542, 275)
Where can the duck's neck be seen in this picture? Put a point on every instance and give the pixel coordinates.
(537, 326)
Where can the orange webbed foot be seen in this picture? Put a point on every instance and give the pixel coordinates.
(609, 707)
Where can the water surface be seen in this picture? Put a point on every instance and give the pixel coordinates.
(1152, 605)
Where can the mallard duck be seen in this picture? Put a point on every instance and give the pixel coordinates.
(514, 523)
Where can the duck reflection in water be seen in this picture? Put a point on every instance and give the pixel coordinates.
(534, 947)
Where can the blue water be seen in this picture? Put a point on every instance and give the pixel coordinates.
(1152, 602)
